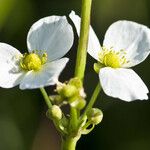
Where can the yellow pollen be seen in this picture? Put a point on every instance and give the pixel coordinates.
(112, 58)
(32, 61)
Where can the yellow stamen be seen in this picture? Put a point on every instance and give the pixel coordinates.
(112, 58)
(32, 61)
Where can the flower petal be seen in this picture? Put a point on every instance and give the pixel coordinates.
(134, 38)
(93, 43)
(47, 76)
(123, 83)
(9, 77)
(52, 34)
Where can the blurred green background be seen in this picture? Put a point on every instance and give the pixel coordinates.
(23, 125)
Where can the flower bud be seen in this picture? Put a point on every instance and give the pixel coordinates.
(69, 90)
(56, 99)
(81, 104)
(78, 104)
(54, 113)
(66, 90)
(76, 82)
(95, 115)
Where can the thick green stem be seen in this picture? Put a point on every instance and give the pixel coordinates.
(69, 143)
(92, 100)
(46, 97)
(83, 40)
(73, 119)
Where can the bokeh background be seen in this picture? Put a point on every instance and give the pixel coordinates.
(23, 125)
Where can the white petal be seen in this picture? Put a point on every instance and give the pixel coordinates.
(52, 34)
(134, 38)
(122, 83)
(93, 43)
(47, 76)
(9, 77)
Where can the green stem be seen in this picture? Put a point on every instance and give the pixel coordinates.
(81, 60)
(92, 100)
(73, 119)
(83, 40)
(69, 143)
(46, 97)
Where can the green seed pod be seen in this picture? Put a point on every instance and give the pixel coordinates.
(95, 115)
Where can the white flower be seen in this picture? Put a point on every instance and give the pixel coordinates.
(48, 40)
(125, 45)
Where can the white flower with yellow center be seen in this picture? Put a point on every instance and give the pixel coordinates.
(125, 45)
(48, 40)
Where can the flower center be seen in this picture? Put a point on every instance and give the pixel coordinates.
(112, 58)
(32, 61)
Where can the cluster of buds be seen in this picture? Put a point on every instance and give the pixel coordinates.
(71, 93)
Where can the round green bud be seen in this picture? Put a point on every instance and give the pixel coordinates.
(54, 112)
(56, 99)
(81, 104)
(77, 102)
(67, 90)
(76, 82)
(95, 115)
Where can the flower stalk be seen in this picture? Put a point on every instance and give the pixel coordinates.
(70, 143)
(92, 100)
(46, 98)
(83, 40)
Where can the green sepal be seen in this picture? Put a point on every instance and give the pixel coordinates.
(97, 66)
